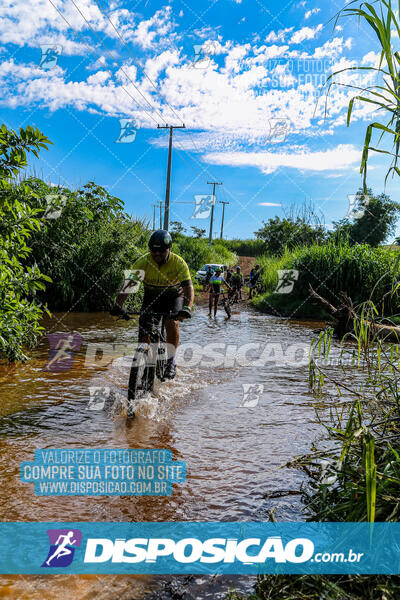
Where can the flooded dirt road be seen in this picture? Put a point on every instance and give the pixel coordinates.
(234, 445)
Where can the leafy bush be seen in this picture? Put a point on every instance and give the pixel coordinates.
(197, 252)
(361, 271)
(377, 221)
(290, 233)
(86, 249)
(19, 310)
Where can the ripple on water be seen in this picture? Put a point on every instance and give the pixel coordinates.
(234, 455)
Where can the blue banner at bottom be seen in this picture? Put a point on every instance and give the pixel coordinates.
(200, 548)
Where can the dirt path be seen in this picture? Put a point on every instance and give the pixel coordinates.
(246, 263)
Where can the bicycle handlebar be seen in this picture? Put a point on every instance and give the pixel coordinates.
(170, 315)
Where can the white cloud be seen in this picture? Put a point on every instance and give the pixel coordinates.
(99, 77)
(333, 48)
(206, 32)
(313, 11)
(228, 105)
(268, 204)
(340, 158)
(158, 29)
(278, 37)
(305, 33)
(36, 22)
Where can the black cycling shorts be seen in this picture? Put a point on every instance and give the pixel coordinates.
(155, 301)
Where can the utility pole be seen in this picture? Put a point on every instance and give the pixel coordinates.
(154, 217)
(223, 214)
(168, 186)
(213, 183)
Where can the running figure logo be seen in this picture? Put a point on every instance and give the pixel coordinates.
(128, 131)
(132, 281)
(98, 397)
(278, 130)
(62, 547)
(202, 54)
(50, 56)
(62, 348)
(55, 205)
(203, 206)
(357, 205)
(251, 394)
(287, 279)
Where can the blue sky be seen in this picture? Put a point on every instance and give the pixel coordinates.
(243, 75)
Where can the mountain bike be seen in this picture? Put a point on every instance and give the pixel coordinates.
(226, 304)
(224, 301)
(150, 360)
(234, 295)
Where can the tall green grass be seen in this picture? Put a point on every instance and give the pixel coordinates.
(364, 273)
(245, 247)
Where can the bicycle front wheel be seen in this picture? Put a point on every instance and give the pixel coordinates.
(142, 374)
(227, 308)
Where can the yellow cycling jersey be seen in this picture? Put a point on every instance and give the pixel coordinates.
(169, 274)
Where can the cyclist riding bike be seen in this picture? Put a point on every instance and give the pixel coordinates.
(168, 288)
(254, 278)
(237, 284)
(215, 290)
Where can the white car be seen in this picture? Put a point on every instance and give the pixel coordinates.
(201, 273)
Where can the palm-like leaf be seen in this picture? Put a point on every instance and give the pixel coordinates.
(380, 16)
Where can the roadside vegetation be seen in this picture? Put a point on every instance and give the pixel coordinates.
(197, 252)
(63, 249)
(19, 283)
(350, 258)
(361, 271)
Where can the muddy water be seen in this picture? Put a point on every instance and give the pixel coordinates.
(234, 454)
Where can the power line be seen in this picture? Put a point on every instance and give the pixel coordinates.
(108, 70)
(101, 8)
(115, 61)
(199, 166)
(128, 77)
(113, 75)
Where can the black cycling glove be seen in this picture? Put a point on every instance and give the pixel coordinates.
(117, 311)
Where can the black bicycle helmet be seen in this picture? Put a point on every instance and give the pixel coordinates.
(160, 240)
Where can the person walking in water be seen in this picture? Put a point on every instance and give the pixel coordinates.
(207, 278)
(237, 284)
(254, 279)
(215, 289)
